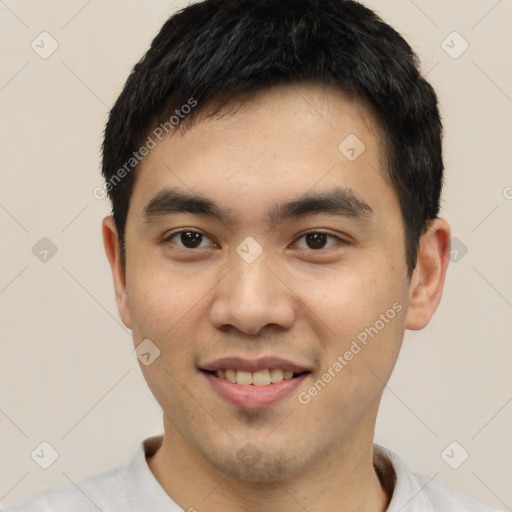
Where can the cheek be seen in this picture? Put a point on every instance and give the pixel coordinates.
(360, 317)
(163, 303)
(349, 298)
(356, 364)
(163, 299)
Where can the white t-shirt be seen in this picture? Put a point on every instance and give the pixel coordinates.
(133, 488)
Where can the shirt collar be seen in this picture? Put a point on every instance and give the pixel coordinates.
(408, 495)
(143, 489)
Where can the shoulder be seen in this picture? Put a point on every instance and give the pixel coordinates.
(418, 493)
(446, 499)
(121, 489)
(99, 492)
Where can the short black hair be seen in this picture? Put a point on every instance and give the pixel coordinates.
(226, 48)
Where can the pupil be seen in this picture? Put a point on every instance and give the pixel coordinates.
(316, 240)
(190, 239)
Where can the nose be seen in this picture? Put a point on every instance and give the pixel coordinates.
(251, 297)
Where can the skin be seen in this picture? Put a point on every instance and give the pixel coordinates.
(294, 301)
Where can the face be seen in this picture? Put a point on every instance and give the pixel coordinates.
(293, 272)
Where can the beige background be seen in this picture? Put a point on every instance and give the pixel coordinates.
(68, 375)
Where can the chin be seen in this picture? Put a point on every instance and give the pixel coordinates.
(252, 463)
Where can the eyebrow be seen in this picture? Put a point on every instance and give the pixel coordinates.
(340, 201)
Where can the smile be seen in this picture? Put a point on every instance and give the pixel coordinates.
(259, 388)
(259, 378)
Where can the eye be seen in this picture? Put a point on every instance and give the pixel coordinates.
(317, 240)
(188, 239)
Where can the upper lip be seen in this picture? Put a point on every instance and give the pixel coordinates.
(254, 365)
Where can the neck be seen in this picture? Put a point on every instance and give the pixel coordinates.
(343, 480)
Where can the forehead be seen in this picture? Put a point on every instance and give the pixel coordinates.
(276, 144)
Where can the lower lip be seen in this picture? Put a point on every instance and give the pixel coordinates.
(251, 396)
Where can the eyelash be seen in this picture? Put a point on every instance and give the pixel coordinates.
(169, 237)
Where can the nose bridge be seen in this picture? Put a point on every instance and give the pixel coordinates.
(251, 296)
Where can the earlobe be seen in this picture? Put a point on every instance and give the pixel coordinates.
(112, 246)
(429, 275)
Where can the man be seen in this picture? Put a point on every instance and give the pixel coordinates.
(275, 171)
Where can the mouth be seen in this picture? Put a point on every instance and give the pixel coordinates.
(260, 378)
(254, 383)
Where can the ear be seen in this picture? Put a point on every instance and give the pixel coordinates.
(113, 251)
(427, 280)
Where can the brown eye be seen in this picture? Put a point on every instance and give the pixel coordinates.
(191, 239)
(187, 239)
(317, 240)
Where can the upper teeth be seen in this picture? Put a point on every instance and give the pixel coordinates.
(260, 378)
